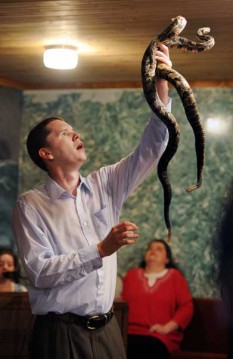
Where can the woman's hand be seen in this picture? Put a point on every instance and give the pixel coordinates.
(164, 328)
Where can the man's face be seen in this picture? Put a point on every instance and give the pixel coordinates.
(65, 147)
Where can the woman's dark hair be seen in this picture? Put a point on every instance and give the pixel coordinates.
(37, 138)
(171, 263)
(15, 276)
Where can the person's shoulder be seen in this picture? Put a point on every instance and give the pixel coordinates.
(26, 195)
(133, 271)
(176, 274)
(20, 288)
(31, 195)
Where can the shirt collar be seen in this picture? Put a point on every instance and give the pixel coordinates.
(55, 191)
(156, 275)
(84, 183)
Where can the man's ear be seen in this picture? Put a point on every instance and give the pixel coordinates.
(45, 154)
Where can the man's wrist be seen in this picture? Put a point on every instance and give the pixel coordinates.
(101, 251)
(162, 89)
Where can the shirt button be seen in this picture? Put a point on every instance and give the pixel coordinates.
(85, 223)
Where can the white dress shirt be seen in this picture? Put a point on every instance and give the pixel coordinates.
(57, 233)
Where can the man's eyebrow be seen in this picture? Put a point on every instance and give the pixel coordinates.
(66, 128)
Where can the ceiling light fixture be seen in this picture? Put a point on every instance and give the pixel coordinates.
(61, 57)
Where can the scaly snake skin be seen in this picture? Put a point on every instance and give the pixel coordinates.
(150, 69)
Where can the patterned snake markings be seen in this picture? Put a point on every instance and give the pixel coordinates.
(149, 70)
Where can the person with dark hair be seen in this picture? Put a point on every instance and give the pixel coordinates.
(10, 272)
(160, 304)
(68, 232)
(224, 253)
(37, 139)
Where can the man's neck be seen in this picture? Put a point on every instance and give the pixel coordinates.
(68, 180)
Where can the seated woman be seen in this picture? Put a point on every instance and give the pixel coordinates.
(10, 272)
(160, 304)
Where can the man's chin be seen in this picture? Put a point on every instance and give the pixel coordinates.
(82, 160)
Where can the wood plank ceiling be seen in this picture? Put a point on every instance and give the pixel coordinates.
(112, 36)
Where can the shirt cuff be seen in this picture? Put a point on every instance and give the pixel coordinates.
(90, 258)
(161, 128)
(168, 107)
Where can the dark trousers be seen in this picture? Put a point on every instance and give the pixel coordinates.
(142, 346)
(56, 339)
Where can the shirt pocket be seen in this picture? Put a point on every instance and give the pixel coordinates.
(101, 222)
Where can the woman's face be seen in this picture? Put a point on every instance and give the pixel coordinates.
(156, 254)
(6, 263)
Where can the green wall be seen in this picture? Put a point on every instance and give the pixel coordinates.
(10, 117)
(110, 122)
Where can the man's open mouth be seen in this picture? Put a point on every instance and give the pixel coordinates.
(80, 147)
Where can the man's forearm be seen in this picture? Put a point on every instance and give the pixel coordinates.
(162, 89)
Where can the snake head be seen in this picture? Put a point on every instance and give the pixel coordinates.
(179, 24)
(174, 29)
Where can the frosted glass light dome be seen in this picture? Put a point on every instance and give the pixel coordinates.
(61, 57)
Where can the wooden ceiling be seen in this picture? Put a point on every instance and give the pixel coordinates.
(112, 36)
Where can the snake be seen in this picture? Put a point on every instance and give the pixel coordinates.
(150, 70)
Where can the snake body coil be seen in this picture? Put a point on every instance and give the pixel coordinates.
(150, 70)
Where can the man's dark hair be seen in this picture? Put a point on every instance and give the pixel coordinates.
(37, 138)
